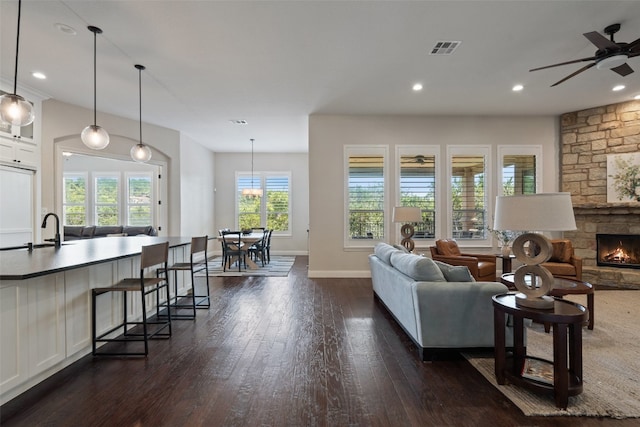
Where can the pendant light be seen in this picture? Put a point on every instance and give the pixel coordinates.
(14, 109)
(140, 152)
(94, 136)
(253, 192)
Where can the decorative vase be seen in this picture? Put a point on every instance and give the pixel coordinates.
(506, 250)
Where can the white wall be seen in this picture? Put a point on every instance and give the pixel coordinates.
(329, 134)
(196, 186)
(226, 166)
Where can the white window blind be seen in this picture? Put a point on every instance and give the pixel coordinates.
(366, 197)
(418, 189)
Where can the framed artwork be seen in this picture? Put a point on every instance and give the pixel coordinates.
(623, 177)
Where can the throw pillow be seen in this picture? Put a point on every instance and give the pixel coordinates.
(402, 248)
(447, 247)
(562, 251)
(384, 251)
(417, 267)
(455, 273)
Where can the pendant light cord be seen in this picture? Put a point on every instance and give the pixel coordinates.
(15, 74)
(252, 163)
(140, 68)
(95, 91)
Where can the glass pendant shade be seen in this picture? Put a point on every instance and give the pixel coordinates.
(140, 153)
(95, 137)
(15, 110)
(252, 192)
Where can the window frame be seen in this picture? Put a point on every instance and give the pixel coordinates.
(95, 176)
(415, 150)
(518, 150)
(126, 204)
(470, 150)
(365, 150)
(87, 196)
(261, 179)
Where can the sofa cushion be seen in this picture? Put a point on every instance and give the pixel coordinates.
(447, 247)
(73, 231)
(87, 231)
(104, 230)
(562, 250)
(134, 230)
(419, 268)
(455, 273)
(384, 251)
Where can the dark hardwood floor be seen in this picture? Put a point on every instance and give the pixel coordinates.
(278, 351)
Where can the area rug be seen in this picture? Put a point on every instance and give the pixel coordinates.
(278, 267)
(611, 362)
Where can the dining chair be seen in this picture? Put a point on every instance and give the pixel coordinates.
(233, 249)
(158, 326)
(259, 248)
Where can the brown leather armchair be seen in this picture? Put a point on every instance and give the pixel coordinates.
(481, 266)
(563, 262)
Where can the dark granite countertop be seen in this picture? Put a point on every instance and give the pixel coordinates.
(19, 264)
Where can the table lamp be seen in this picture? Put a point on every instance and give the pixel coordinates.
(534, 212)
(408, 215)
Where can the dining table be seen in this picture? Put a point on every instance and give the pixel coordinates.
(248, 239)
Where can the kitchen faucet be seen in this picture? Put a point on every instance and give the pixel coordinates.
(56, 240)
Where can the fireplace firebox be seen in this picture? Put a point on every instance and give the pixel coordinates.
(618, 250)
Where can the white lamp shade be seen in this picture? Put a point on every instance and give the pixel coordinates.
(15, 110)
(406, 214)
(534, 212)
(95, 137)
(140, 153)
(252, 192)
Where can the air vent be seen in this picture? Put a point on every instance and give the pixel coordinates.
(445, 48)
(238, 122)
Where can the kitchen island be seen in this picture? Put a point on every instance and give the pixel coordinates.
(45, 302)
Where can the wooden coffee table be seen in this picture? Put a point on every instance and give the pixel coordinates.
(562, 287)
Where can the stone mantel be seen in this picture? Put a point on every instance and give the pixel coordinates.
(607, 209)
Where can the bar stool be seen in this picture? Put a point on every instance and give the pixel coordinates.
(196, 263)
(152, 255)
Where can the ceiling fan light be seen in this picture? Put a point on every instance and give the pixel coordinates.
(140, 153)
(95, 137)
(611, 62)
(15, 110)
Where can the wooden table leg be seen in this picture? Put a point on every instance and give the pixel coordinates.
(575, 353)
(560, 372)
(590, 307)
(499, 345)
(519, 350)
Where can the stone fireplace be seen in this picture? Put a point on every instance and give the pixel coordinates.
(588, 136)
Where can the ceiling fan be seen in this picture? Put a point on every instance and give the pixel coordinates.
(610, 55)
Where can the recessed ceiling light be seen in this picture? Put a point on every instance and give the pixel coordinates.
(618, 88)
(38, 75)
(636, 97)
(70, 31)
(517, 88)
(417, 87)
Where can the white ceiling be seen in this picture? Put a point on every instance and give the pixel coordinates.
(273, 63)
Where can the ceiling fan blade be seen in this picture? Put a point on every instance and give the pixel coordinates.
(586, 67)
(634, 47)
(591, 58)
(600, 41)
(623, 69)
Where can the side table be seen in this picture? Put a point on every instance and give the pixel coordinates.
(506, 262)
(566, 319)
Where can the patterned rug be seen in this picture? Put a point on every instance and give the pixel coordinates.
(278, 267)
(611, 362)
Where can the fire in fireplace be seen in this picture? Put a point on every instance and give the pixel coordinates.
(618, 250)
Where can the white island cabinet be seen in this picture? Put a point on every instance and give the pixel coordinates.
(45, 303)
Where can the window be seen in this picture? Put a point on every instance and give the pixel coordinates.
(272, 209)
(139, 199)
(518, 169)
(365, 193)
(468, 192)
(418, 185)
(74, 196)
(106, 200)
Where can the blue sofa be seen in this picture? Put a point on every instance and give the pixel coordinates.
(438, 305)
